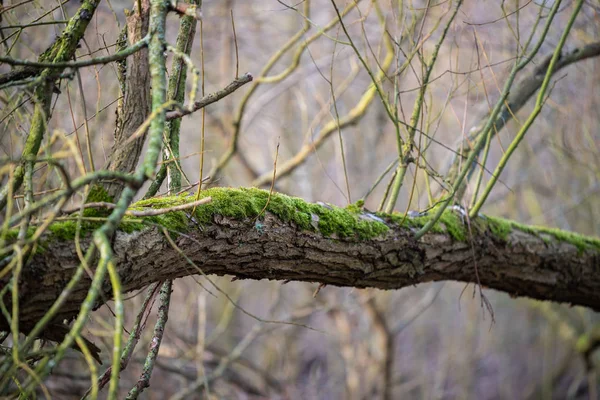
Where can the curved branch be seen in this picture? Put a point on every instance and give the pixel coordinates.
(263, 78)
(518, 97)
(62, 49)
(318, 243)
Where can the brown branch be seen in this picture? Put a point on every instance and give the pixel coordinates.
(384, 341)
(18, 74)
(541, 264)
(213, 97)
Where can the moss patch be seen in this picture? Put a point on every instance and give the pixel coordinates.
(234, 203)
(65, 230)
(503, 227)
(98, 193)
(349, 222)
(450, 222)
(250, 202)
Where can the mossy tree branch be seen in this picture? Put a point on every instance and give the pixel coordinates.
(118, 56)
(301, 241)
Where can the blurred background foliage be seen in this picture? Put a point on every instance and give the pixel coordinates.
(435, 341)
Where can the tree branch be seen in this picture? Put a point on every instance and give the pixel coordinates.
(121, 55)
(212, 97)
(317, 243)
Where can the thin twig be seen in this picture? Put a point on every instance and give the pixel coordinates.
(237, 57)
(145, 213)
(213, 97)
(159, 330)
(272, 182)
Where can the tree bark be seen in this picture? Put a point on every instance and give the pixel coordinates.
(523, 262)
(134, 107)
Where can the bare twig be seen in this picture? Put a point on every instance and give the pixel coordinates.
(145, 213)
(159, 331)
(212, 98)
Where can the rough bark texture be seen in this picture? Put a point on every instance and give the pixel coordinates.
(133, 109)
(521, 264)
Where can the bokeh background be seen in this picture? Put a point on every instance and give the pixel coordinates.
(444, 343)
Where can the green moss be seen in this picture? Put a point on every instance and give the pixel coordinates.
(65, 230)
(349, 222)
(98, 194)
(176, 221)
(503, 227)
(11, 235)
(162, 202)
(368, 229)
(356, 207)
(239, 204)
(250, 202)
(449, 222)
(455, 225)
(581, 242)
